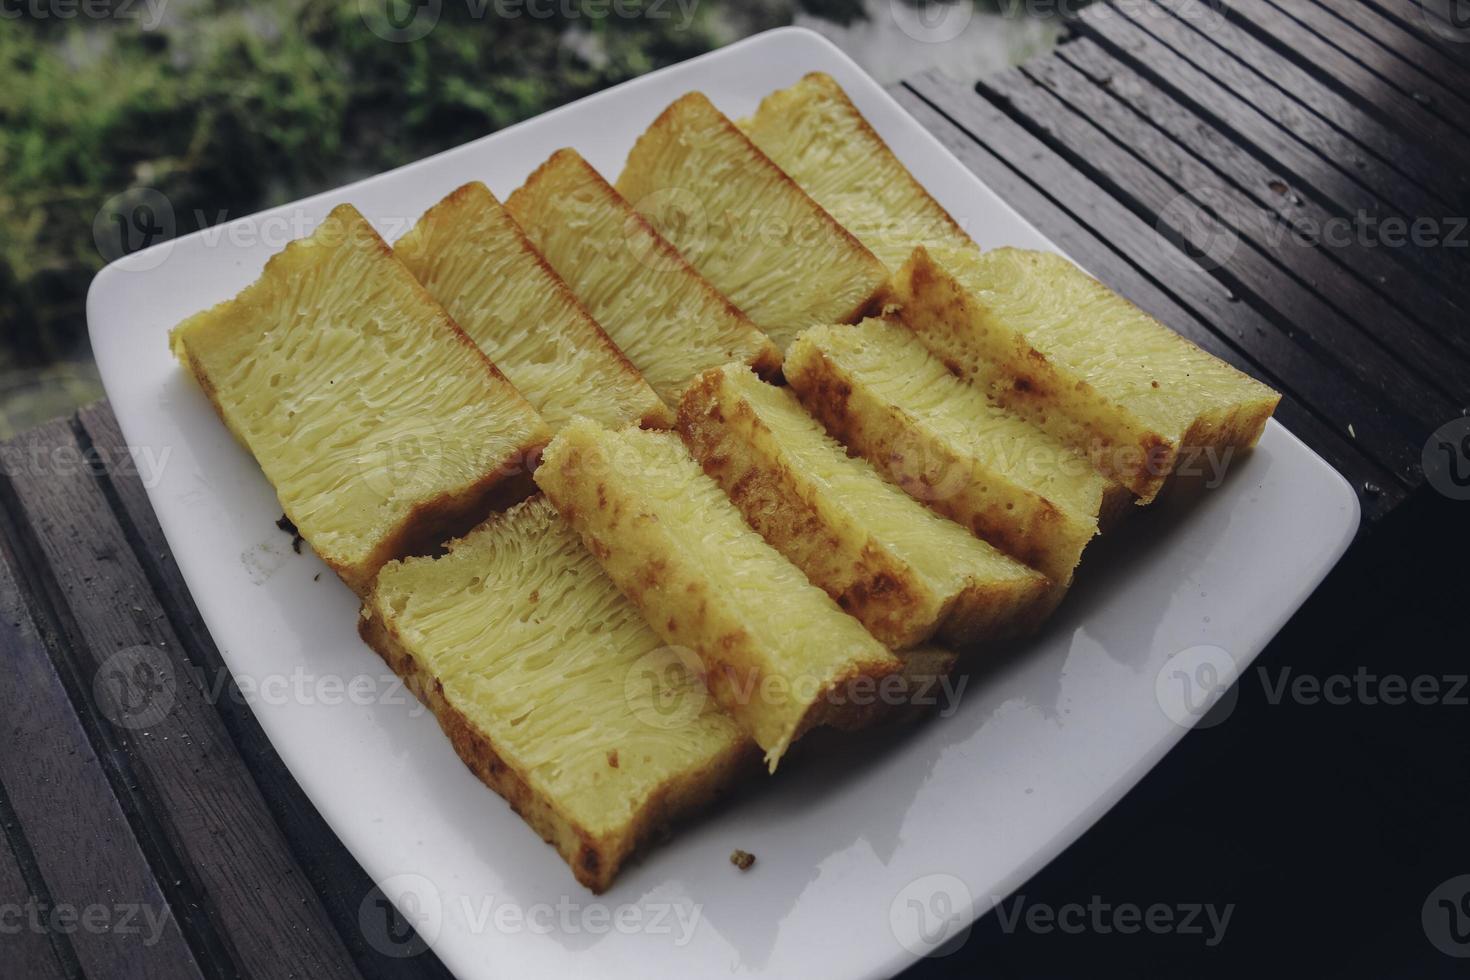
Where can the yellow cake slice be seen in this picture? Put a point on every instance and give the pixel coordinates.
(880, 392)
(745, 225)
(553, 689)
(902, 570)
(383, 428)
(777, 652)
(1049, 342)
(472, 257)
(814, 133)
(667, 318)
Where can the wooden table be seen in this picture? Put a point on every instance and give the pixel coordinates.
(1218, 167)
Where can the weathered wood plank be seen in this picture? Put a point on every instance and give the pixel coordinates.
(1383, 492)
(29, 952)
(202, 798)
(1370, 49)
(332, 871)
(1333, 397)
(1223, 46)
(77, 832)
(1323, 162)
(1438, 66)
(1357, 74)
(1362, 311)
(1404, 286)
(1238, 262)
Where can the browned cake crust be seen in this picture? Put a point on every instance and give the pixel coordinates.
(432, 521)
(882, 592)
(873, 430)
(595, 860)
(942, 313)
(588, 476)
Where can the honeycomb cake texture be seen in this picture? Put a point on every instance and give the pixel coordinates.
(472, 257)
(776, 651)
(878, 391)
(670, 322)
(904, 571)
(553, 689)
(382, 427)
(743, 223)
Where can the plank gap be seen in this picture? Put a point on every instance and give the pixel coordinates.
(64, 961)
(1280, 132)
(1323, 58)
(1320, 272)
(1379, 59)
(41, 593)
(1399, 284)
(334, 874)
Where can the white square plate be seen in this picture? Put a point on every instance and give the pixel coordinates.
(869, 850)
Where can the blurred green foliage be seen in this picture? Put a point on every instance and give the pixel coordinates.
(228, 107)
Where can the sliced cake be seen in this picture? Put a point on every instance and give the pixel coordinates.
(553, 689)
(472, 257)
(669, 321)
(740, 220)
(1051, 343)
(904, 571)
(877, 389)
(777, 652)
(383, 428)
(814, 133)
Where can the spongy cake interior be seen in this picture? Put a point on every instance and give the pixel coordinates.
(667, 319)
(670, 537)
(899, 370)
(469, 253)
(357, 395)
(946, 555)
(541, 652)
(815, 133)
(743, 223)
(1101, 338)
(804, 633)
